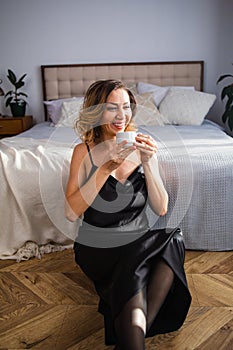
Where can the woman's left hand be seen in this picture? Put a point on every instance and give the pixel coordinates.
(147, 147)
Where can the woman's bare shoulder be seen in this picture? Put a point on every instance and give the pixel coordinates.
(80, 150)
(79, 154)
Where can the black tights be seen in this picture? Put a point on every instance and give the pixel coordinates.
(139, 312)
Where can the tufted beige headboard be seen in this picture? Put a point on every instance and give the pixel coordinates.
(69, 80)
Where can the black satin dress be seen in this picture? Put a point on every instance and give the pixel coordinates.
(116, 249)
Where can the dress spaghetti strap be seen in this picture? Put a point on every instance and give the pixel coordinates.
(90, 156)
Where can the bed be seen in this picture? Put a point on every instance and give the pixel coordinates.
(195, 157)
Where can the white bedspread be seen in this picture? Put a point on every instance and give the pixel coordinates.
(196, 163)
(33, 177)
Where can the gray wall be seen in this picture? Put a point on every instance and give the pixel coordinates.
(36, 32)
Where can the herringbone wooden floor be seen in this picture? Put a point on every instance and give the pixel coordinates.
(49, 304)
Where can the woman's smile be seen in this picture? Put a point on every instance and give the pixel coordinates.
(119, 125)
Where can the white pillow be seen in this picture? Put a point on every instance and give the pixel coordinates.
(132, 87)
(147, 113)
(69, 112)
(186, 107)
(54, 108)
(159, 91)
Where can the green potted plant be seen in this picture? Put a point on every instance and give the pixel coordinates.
(227, 92)
(14, 97)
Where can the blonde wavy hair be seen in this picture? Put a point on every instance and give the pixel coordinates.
(88, 123)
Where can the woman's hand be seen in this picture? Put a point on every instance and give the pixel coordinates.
(116, 154)
(147, 147)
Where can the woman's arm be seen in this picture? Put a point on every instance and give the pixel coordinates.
(157, 193)
(81, 193)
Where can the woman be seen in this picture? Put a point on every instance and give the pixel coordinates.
(137, 272)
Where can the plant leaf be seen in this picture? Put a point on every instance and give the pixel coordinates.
(229, 103)
(8, 93)
(21, 79)
(223, 77)
(23, 94)
(19, 84)
(225, 116)
(227, 91)
(228, 117)
(11, 76)
(8, 101)
(230, 123)
(230, 120)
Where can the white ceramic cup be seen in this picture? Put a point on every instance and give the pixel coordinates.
(128, 136)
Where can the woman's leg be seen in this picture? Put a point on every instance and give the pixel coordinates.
(130, 324)
(160, 283)
(140, 311)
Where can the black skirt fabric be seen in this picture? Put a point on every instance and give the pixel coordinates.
(121, 272)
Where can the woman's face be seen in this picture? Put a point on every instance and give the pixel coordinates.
(117, 113)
